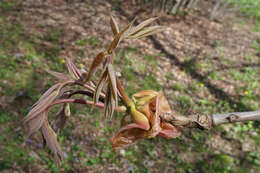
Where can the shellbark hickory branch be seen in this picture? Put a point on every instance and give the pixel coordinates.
(208, 121)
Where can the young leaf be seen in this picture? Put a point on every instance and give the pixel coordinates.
(112, 81)
(119, 37)
(114, 26)
(73, 70)
(58, 75)
(109, 103)
(51, 140)
(35, 124)
(47, 93)
(142, 25)
(60, 119)
(39, 108)
(96, 62)
(99, 87)
(147, 31)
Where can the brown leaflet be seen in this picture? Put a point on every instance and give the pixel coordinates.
(51, 139)
(112, 81)
(73, 70)
(58, 75)
(114, 25)
(142, 25)
(128, 135)
(96, 62)
(119, 37)
(42, 105)
(148, 31)
(107, 100)
(99, 86)
(35, 124)
(47, 93)
(109, 103)
(61, 117)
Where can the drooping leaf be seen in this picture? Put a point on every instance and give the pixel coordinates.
(51, 140)
(119, 37)
(73, 70)
(100, 86)
(58, 75)
(114, 25)
(141, 26)
(109, 103)
(169, 131)
(112, 81)
(95, 64)
(60, 120)
(47, 93)
(106, 104)
(35, 124)
(128, 134)
(41, 106)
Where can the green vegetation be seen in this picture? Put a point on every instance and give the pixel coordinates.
(251, 8)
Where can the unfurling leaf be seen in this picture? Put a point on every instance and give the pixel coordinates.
(119, 37)
(51, 140)
(61, 117)
(58, 75)
(127, 135)
(46, 94)
(141, 26)
(95, 64)
(114, 25)
(146, 122)
(112, 81)
(147, 31)
(100, 86)
(35, 124)
(110, 103)
(73, 70)
(43, 104)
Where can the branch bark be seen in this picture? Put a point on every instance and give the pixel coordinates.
(208, 121)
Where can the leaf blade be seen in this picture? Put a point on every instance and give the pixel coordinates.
(114, 25)
(100, 86)
(148, 31)
(119, 37)
(112, 81)
(95, 64)
(41, 106)
(142, 25)
(58, 75)
(51, 140)
(73, 70)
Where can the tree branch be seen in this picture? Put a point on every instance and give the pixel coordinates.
(208, 121)
(235, 117)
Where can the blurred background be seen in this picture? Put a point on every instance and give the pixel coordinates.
(206, 61)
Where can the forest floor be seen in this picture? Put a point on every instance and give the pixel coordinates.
(201, 66)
